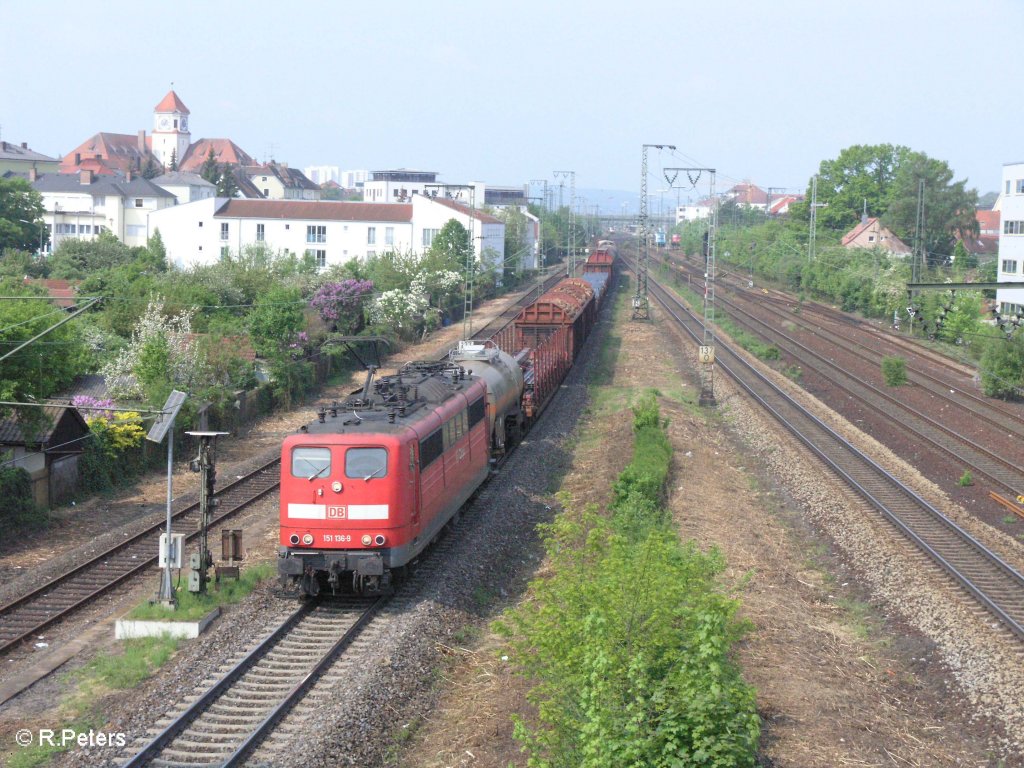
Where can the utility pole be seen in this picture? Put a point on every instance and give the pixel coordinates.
(814, 219)
(919, 249)
(544, 199)
(768, 205)
(641, 301)
(205, 463)
(164, 426)
(570, 262)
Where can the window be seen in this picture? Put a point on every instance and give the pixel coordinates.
(366, 463)
(316, 233)
(871, 238)
(224, 230)
(263, 178)
(1013, 227)
(287, 226)
(1010, 266)
(371, 235)
(200, 223)
(431, 447)
(428, 236)
(389, 235)
(477, 410)
(135, 230)
(138, 202)
(99, 202)
(320, 256)
(224, 252)
(266, 192)
(311, 462)
(260, 233)
(1020, 186)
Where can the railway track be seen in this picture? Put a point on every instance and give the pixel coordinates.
(977, 569)
(54, 600)
(230, 719)
(1003, 474)
(29, 614)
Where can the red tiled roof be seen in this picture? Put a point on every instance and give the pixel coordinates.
(982, 245)
(171, 103)
(782, 203)
(748, 194)
(484, 218)
(988, 221)
(118, 151)
(63, 292)
(326, 210)
(224, 150)
(853, 233)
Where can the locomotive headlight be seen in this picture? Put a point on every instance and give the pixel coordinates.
(336, 486)
(307, 539)
(294, 538)
(379, 540)
(367, 540)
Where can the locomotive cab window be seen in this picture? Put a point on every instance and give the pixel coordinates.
(476, 412)
(311, 463)
(366, 463)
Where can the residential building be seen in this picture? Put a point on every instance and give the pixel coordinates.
(779, 206)
(747, 194)
(694, 211)
(332, 232)
(398, 186)
(870, 233)
(83, 204)
(1011, 240)
(276, 181)
(19, 159)
(186, 187)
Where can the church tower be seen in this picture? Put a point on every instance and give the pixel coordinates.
(170, 129)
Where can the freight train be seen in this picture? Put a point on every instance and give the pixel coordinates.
(373, 480)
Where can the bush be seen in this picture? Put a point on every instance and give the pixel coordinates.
(628, 641)
(894, 371)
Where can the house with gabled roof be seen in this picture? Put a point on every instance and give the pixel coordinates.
(870, 233)
(48, 449)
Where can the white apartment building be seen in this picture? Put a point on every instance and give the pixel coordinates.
(81, 205)
(186, 187)
(333, 232)
(1011, 240)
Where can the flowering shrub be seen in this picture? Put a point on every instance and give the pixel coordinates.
(117, 434)
(93, 407)
(341, 304)
(401, 310)
(162, 349)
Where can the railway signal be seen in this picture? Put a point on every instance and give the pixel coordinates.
(205, 463)
(164, 426)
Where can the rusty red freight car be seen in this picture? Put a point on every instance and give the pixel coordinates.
(570, 304)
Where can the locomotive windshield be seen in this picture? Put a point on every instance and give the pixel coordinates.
(366, 462)
(311, 463)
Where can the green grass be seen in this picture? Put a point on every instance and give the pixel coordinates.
(192, 606)
(139, 659)
(1010, 519)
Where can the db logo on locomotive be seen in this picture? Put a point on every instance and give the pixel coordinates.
(337, 512)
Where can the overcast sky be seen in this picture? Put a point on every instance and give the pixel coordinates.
(505, 92)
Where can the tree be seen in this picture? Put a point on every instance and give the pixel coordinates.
(76, 259)
(450, 248)
(276, 320)
(949, 207)
(227, 184)
(1002, 367)
(151, 169)
(210, 169)
(861, 173)
(47, 365)
(173, 165)
(21, 214)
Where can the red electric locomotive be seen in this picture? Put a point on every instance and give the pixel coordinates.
(366, 487)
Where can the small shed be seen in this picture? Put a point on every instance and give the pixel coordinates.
(48, 450)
